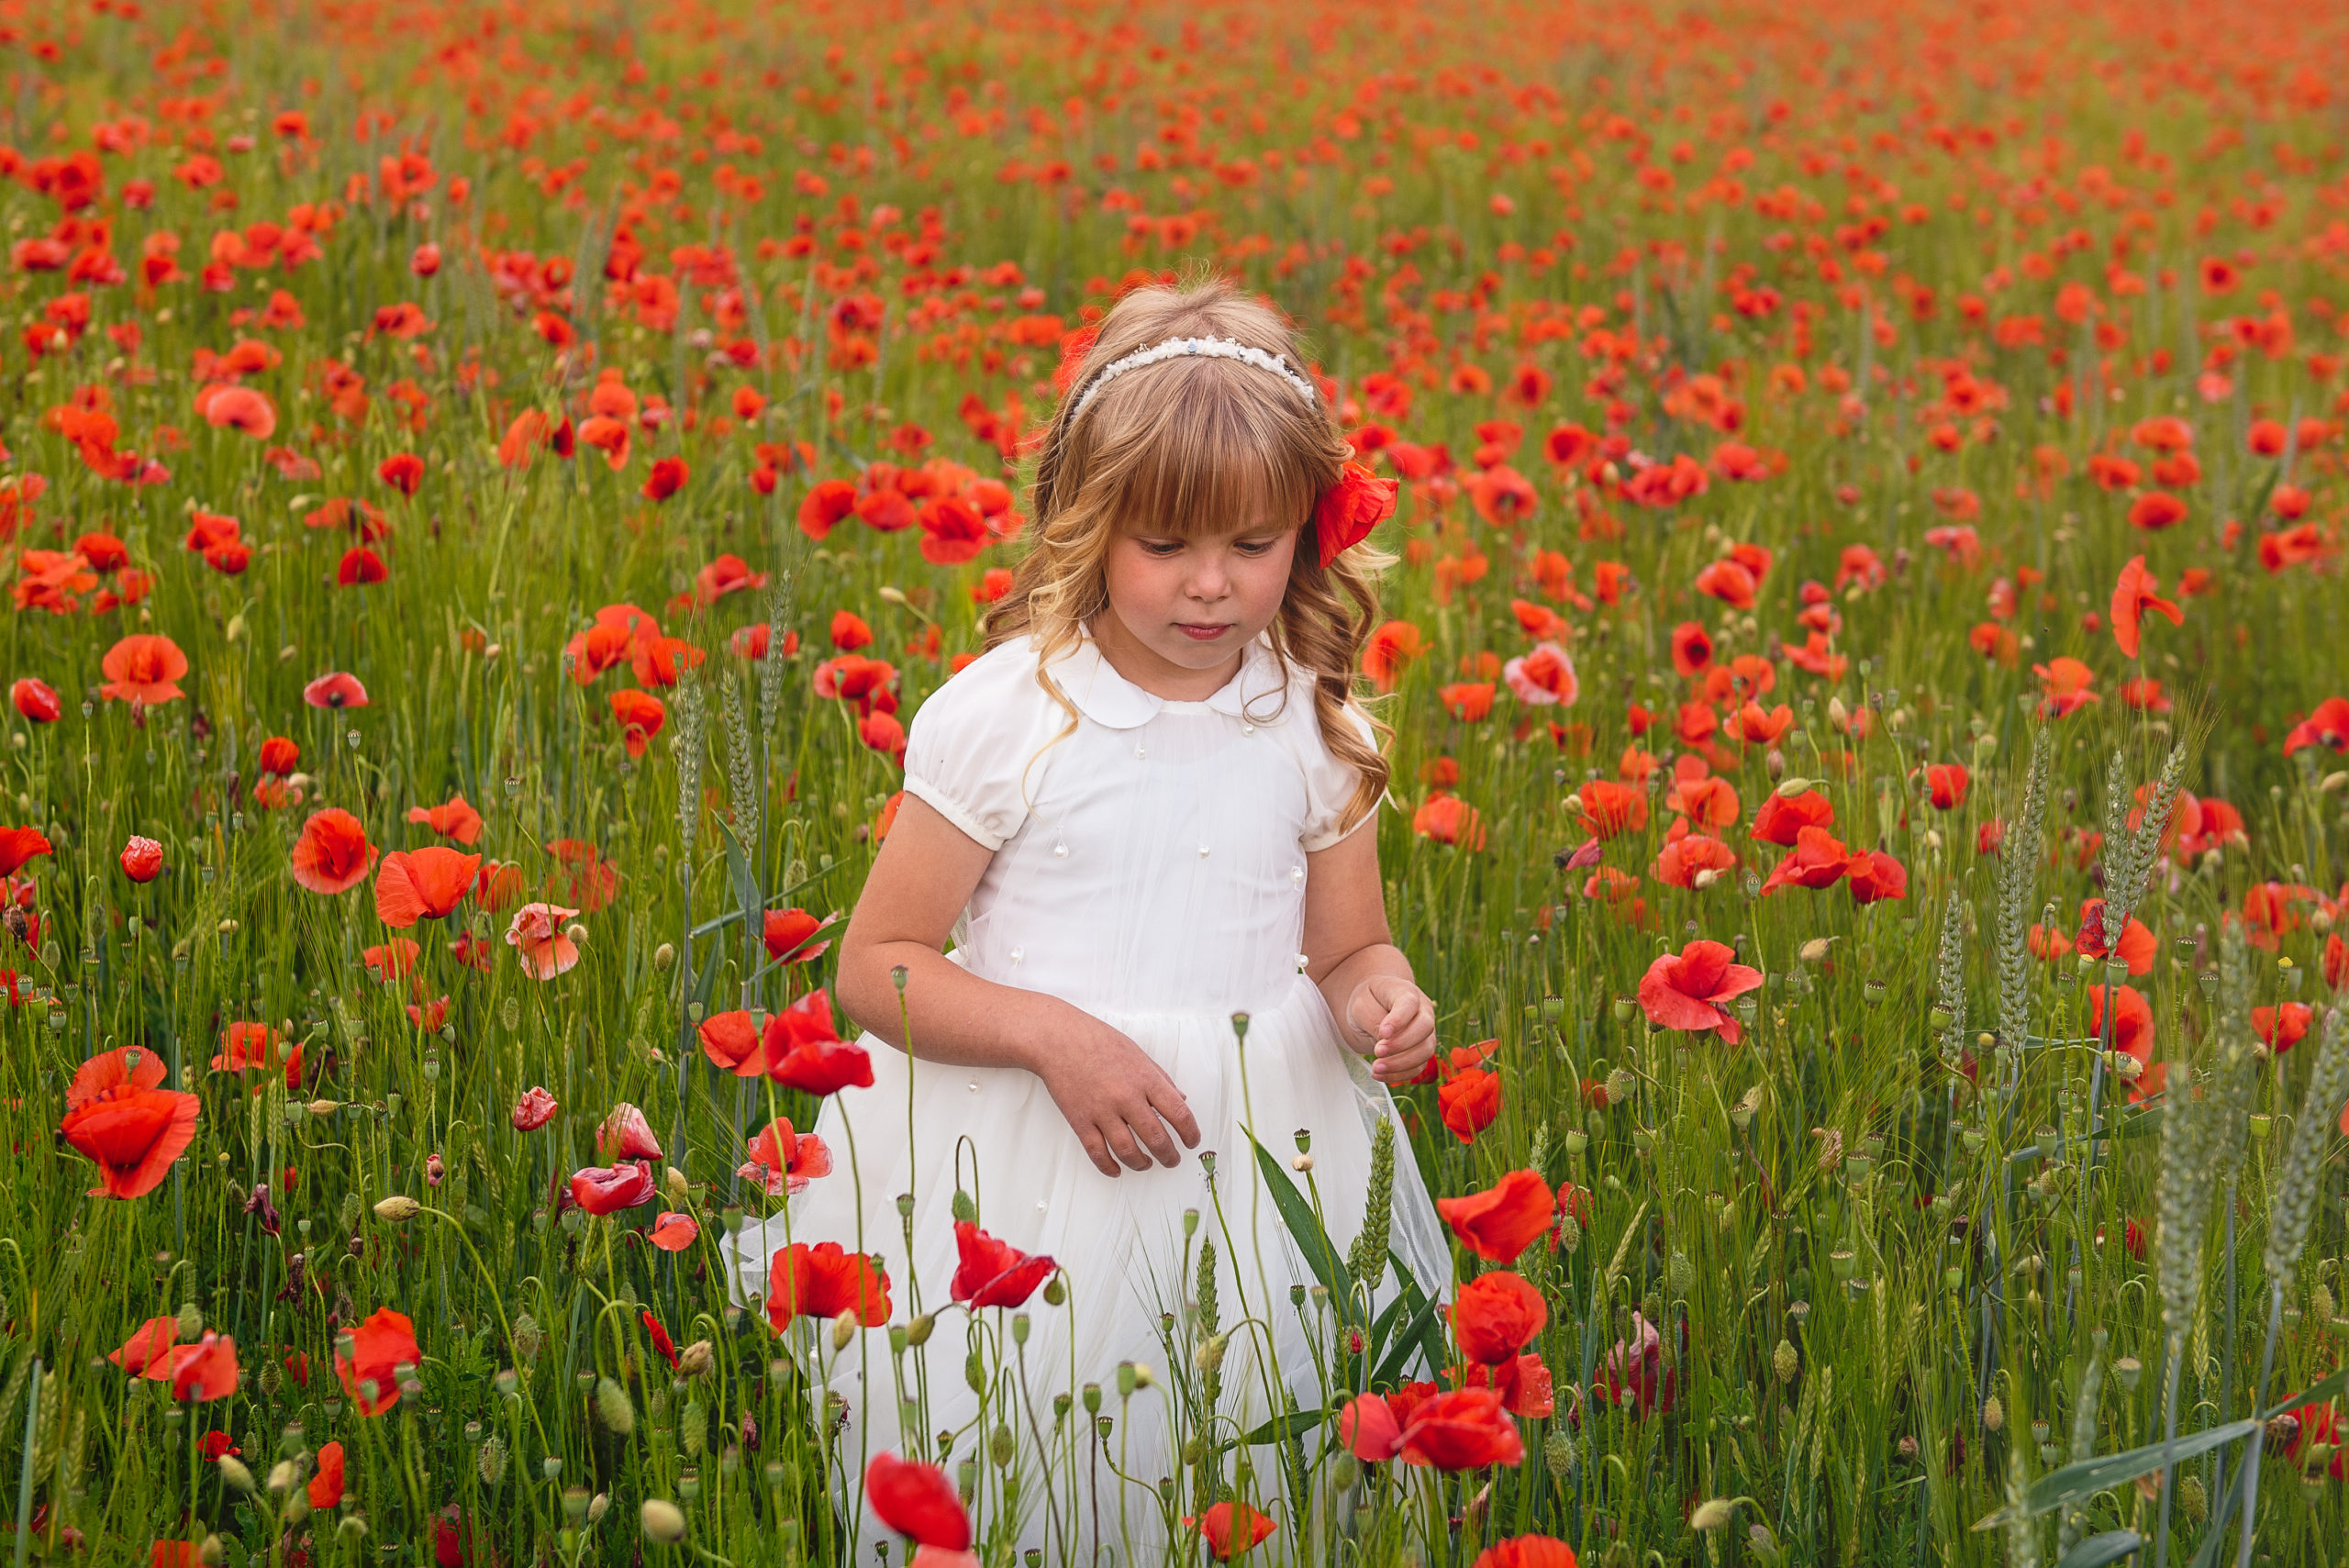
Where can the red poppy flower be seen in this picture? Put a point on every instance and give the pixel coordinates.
(1946, 785)
(132, 1130)
(1349, 509)
(661, 1344)
(668, 476)
(148, 1346)
(378, 1348)
(393, 960)
(2065, 683)
(422, 885)
(2136, 948)
(1233, 1530)
(673, 1232)
(827, 503)
(2135, 595)
(1470, 1102)
(1502, 1221)
(1818, 860)
(332, 855)
(1781, 820)
(824, 1281)
(805, 1052)
(2282, 1027)
(731, 1041)
(1635, 1378)
(608, 1189)
(1527, 1551)
(35, 699)
(203, 1370)
(404, 472)
(917, 1501)
(1449, 819)
(2132, 1035)
(334, 690)
(640, 717)
(534, 1109)
(625, 1134)
(457, 819)
(1494, 1316)
(852, 677)
(326, 1484)
(953, 531)
(2155, 510)
(989, 1272)
(358, 567)
(1873, 874)
(1464, 1429)
(143, 859)
(789, 935)
(19, 845)
(144, 668)
(537, 940)
(2327, 725)
(240, 408)
(1369, 1428)
(783, 1162)
(1609, 808)
(1683, 991)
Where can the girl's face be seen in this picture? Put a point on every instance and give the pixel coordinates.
(1186, 608)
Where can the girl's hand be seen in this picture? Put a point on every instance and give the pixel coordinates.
(1117, 1101)
(1400, 1022)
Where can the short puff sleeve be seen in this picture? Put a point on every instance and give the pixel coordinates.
(970, 744)
(1329, 781)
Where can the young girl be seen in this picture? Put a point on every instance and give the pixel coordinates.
(1145, 808)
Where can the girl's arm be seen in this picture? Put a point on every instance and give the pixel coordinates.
(1362, 974)
(1117, 1101)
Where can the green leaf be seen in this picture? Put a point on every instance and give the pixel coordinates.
(747, 898)
(1305, 1226)
(1419, 1332)
(1287, 1425)
(2064, 1487)
(2098, 1550)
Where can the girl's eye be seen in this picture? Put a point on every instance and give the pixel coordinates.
(1253, 545)
(1162, 547)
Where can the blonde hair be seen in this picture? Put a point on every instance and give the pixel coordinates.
(1193, 447)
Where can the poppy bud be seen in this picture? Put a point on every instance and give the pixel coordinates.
(663, 1522)
(1712, 1514)
(614, 1405)
(918, 1331)
(664, 956)
(843, 1330)
(1785, 1362)
(1994, 1415)
(697, 1359)
(142, 859)
(212, 1553)
(398, 1207)
(233, 1471)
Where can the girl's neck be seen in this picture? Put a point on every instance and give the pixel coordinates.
(1154, 673)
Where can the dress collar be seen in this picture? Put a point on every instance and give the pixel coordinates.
(1109, 699)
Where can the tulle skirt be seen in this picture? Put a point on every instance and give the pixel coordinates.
(1011, 1387)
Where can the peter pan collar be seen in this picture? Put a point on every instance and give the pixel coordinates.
(1107, 698)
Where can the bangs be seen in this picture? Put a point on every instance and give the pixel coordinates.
(1207, 448)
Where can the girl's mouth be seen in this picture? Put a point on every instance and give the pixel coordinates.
(1201, 633)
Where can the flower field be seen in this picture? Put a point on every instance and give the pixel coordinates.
(486, 488)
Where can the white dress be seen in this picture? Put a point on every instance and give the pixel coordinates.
(1150, 868)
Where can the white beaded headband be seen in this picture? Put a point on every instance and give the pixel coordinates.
(1180, 347)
